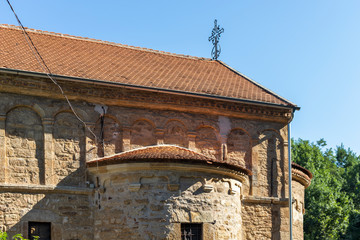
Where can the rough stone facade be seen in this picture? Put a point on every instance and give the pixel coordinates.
(24, 146)
(70, 214)
(152, 208)
(135, 158)
(298, 209)
(44, 148)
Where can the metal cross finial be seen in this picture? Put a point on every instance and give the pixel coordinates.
(214, 38)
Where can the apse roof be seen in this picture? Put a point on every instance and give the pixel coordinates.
(163, 153)
(91, 59)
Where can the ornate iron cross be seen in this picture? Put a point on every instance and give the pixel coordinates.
(214, 38)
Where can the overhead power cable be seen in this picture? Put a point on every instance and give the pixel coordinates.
(46, 69)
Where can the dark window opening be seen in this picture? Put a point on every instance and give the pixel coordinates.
(40, 229)
(191, 231)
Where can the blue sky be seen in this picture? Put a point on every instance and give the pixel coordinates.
(306, 51)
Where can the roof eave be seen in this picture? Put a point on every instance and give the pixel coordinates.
(152, 89)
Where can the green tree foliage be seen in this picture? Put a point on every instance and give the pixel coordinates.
(4, 236)
(333, 198)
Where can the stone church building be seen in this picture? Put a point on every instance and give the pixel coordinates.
(162, 146)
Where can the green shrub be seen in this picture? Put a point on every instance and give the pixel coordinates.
(4, 236)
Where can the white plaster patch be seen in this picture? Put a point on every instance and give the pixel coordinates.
(225, 127)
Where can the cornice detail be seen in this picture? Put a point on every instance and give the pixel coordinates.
(81, 91)
(299, 176)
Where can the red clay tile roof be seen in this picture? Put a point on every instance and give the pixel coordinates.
(301, 174)
(163, 153)
(105, 61)
(302, 169)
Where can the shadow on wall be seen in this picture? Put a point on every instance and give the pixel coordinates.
(239, 148)
(108, 128)
(24, 146)
(69, 148)
(72, 215)
(272, 165)
(68, 209)
(68, 206)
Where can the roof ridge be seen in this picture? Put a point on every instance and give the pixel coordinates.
(10, 26)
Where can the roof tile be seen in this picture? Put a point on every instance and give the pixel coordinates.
(164, 153)
(93, 59)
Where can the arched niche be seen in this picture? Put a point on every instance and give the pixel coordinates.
(142, 134)
(271, 164)
(207, 142)
(112, 136)
(69, 145)
(24, 146)
(239, 147)
(176, 133)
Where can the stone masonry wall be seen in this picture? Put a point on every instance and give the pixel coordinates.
(271, 165)
(24, 146)
(263, 219)
(69, 162)
(42, 143)
(257, 221)
(150, 208)
(70, 215)
(61, 144)
(298, 210)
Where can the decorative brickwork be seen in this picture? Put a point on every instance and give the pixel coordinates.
(207, 142)
(108, 95)
(175, 133)
(112, 136)
(239, 147)
(142, 134)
